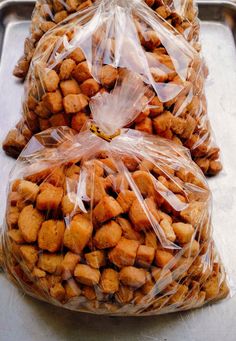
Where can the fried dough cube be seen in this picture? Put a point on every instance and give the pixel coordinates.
(46, 26)
(130, 162)
(15, 185)
(29, 254)
(81, 72)
(72, 289)
(14, 143)
(145, 255)
(52, 280)
(74, 103)
(193, 249)
(78, 121)
(151, 239)
(168, 230)
(146, 165)
(87, 275)
(109, 281)
(215, 167)
(156, 107)
(162, 122)
(163, 277)
(68, 204)
(96, 259)
(124, 295)
(108, 76)
(162, 258)
(191, 124)
(13, 214)
(180, 294)
(38, 273)
(29, 223)
(51, 80)
(28, 190)
(79, 232)
(109, 165)
(90, 87)
(77, 55)
(41, 110)
(85, 4)
(68, 264)
(51, 234)
(49, 197)
(53, 101)
(70, 87)
(165, 216)
(132, 276)
(124, 253)
(145, 126)
(56, 178)
(138, 216)
(95, 188)
(95, 167)
(127, 230)
(148, 286)
(150, 3)
(117, 182)
(178, 125)
(163, 11)
(106, 209)
(60, 16)
(58, 292)
(51, 263)
(89, 293)
(14, 197)
(44, 124)
(108, 235)
(16, 236)
(72, 5)
(66, 68)
(144, 183)
(58, 120)
(212, 287)
(193, 213)
(204, 164)
(184, 232)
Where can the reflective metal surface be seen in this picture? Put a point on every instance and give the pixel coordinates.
(23, 318)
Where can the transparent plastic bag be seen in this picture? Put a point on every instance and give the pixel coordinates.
(111, 220)
(92, 52)
(47, 13)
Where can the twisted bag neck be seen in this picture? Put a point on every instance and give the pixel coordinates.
(115, 110)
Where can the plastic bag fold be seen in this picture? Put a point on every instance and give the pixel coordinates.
(120, 227)
(48, 13)
(92, 52)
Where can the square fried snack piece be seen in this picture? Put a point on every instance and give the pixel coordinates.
(48, 13)
(89, 54)
(122, 228)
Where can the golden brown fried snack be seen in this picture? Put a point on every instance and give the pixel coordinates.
(65, 76)
(48, 13)
(142, 249)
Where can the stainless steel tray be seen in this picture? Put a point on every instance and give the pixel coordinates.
(23, 318)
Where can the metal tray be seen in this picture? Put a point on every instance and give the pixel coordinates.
(23, 318)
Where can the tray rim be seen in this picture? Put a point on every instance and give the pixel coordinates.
(223, 3)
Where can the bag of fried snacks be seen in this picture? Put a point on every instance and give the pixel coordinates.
(182, 15)
(111, 220)
(92, 52)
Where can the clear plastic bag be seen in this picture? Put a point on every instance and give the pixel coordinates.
(92, 52)
(47, 13)
(111, 220)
